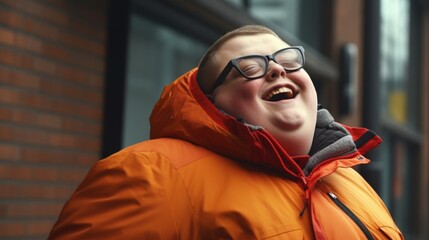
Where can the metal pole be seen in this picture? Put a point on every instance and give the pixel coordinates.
(371, 112)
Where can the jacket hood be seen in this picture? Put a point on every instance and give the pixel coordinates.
(185, 112)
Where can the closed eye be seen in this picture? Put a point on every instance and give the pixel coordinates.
(289, 64)
(250, 70)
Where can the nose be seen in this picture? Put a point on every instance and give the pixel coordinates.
(275, 71)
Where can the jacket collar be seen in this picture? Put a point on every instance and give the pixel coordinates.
(185, 112)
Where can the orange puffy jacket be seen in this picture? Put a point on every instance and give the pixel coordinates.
(205, 175)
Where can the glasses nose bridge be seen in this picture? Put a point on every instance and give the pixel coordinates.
(267, 67)
(270, 58)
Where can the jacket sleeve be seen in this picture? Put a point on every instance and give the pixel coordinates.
(122, 197)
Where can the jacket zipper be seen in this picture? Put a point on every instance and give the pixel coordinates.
(351, 215)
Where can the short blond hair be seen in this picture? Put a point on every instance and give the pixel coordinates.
(205, 77)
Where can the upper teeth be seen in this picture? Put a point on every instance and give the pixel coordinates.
(286, 90)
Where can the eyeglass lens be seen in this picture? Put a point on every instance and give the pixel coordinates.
(256, 66)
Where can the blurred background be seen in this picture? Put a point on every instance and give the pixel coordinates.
(78, 80)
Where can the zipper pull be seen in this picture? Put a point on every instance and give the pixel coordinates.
(307, 194)
(305, 207)
(332, 195)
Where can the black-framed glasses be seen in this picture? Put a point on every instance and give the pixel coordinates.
(256, 66)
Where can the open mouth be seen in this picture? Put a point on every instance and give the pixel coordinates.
(279, 94)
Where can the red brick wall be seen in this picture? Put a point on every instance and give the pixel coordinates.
(52, 56)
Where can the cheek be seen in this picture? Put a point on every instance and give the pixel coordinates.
(247, 91)
(238, 99)
(304, 81)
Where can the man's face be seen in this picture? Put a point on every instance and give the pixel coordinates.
(291, 116)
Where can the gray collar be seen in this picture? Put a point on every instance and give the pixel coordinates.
(330, 140)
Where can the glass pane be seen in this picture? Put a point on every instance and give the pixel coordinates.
(397, 83)
(301, 18)
(157, 55)
(400, 104)
(404, 184)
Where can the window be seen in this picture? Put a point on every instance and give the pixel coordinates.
(399, 76)
(301, 18)
(157, 55)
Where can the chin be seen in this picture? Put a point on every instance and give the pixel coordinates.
(290, 125)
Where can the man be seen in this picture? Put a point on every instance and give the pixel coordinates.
(242, 152)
